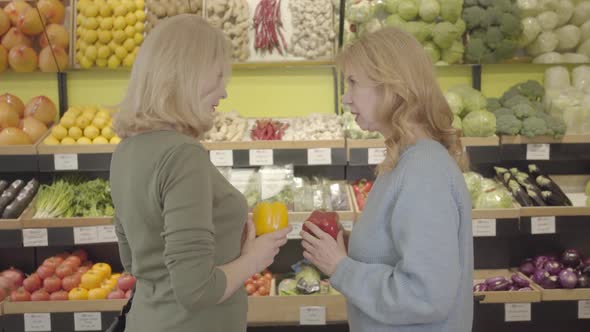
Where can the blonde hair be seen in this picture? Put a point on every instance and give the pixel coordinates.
(170, 67)
(406, 82)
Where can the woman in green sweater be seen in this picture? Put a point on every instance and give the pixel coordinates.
(410, 256)
(180, 224)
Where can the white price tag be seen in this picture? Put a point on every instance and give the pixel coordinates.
(37, 323)
(584, 309)
(222, 157)
(87, 321)
(484, 227)
(261, 157)
(538, 151)
(517, 312)
(294, 234)
(312, 315)
(321, 156)
(65, 162)
(106, 234)
(35, 237)
(376, 155)
(543, 225)
(348, 225)
(85, 235)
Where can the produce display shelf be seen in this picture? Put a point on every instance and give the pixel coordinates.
(567, 148)
(96, 157)
(505, 296)
(18, 158)
(259, 153)
(66, 222)
(567, 139)
(62, 306)
(287, 310)
(555, 219)
(577, 294)
(10, 233)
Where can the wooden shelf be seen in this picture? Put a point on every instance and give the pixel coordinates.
(285, 310)
(380, 143)
(567, 139)
(76, 148)
(565, 294)
(513, 213)
(505, 296)
(62, 306)
(66, 222)
(10, 224)
(17, 150)
(274, 145)
(554, 211)
(365, 143)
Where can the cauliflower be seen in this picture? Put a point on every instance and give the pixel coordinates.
(508, 124)
(534, 126)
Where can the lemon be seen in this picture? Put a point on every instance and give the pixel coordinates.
(101, 63)
(114, 62)
(67, 122)
(140, 4)
(84, 140)
(59, 132)
(107, 132)
(68, 141)
(85, 63)
(91, 23)
(129, 44)
(100, 140)
(99, 122)
(91, 109)
(115, 140)
(131, 19)
(140, 15)
(91, 132)
(106, 12)
(121, 52)
(82, 122)
(50, 140)
(90, 36)
(104, 52)
(130, 31)
(119, 23)
(91, 11)
(105, 36)
(74, 110)
(138, 39)
(113, 45)
(119, 36)
(104, 113)
(75, 132)
(130, 5)
(129, 59)
(91, 53)
(121, 10)
(139, 27)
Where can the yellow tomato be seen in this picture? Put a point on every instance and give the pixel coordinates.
(115, 140)
(78, 294)
(103, 268)
(75, 132)
(50, 140)
(98, 294)
(107, 133)
(82, 121)
(84, 141)
(68, 141)
(99, 122)
(270, 217)
(91, 132)
(100, 140)
(115, 276)
(59, 132)
(68, 121)
(91, 279)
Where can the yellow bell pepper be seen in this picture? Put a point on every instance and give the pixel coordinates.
(269, 217)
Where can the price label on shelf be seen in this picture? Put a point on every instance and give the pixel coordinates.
(87, 321)
(484, 227)
(584, 309)
(37, 322)
(85, 235)
(222, 158)
(320, 156)
(376, 155)
(35, 237)
(517, 312)
(65, 162)
(543, 225)
(106, 234)
(538, 151)
(261, 157)
(294, 234)
(315, 315)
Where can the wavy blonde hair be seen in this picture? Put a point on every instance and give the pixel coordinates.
(409, 93)
(163, 91)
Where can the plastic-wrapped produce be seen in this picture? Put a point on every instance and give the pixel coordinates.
(557, 78)
(581, 77)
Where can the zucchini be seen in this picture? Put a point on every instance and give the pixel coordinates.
(3, 185)
(20, 203)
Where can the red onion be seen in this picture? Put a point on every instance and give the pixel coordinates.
(568, 279)
(583, 281)
(553, 267)
(527, 268)
(571, 258)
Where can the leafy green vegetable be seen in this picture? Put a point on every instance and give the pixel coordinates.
(495, 199)
(444, 34)
(455, 102)
(450, 10)
(457, 123)
(55, 200)
(473, 181)
(508, 124)
(479, 124)
(407, 9)
(454, 54)
(429, 10)
(534, 126)
(433, 51)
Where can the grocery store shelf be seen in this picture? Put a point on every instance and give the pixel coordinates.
(567, 139)
(274, 145)
(556, 211)
(286, 310)
(513, 213)
(569, 147)
(62, 306)
(66, 222)
(565, 294)
(18, 158)
(282, 64)
(43, 149)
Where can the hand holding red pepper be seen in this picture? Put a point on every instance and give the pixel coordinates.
(321, 249)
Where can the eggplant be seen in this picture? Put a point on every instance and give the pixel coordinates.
(545, 183)
(552, 200)
(15, 187)
(6, 198)
(500, 171)
(20, 203)
(519, 281)
(3, 185)
(519, 194)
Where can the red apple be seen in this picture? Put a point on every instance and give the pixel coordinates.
(20, 295)
(63, 271)
(59, 296)
(40, 295)
(32, 283)
(52, 284)
(117, 294)
(16, 275)
(126, 282)
(71, 282)
(45, 271)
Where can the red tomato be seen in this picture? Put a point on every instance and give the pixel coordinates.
(52, 284)
(3, 294)
(81, 253)
(128, 294)
(256, 276)
(261, 283)
(40, 295)
(126, 282)
(73, 261)
(117, 294)
(32, 283)
(249, 281)
(59, 296)
(20, 295)
(255, 294)
(63, 271)
(63, 255)
(71, 282)
(268, 275)
(51, 262)
(45, 271)
(250, 288)
(263, 291)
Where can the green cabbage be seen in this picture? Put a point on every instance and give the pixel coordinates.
(473, 181)
(498, 198)
(479, 124)
(455, 102)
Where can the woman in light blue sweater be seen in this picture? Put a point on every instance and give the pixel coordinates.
(410, 256)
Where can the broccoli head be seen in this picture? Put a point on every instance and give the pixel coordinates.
(472, 17)
(476, 51)
(513, 91)
(494, 37)
(523, 111)
(533, 90)
(517, 99)
(508, 124)
(506, 6)
(556, 126)
(534, 126)
(506, 48)
(493, 104)
(510, 25)
(491, 17)
(538, 106)
(485, 3)
(503, 111)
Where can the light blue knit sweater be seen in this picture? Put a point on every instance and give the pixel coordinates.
(410, 260)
